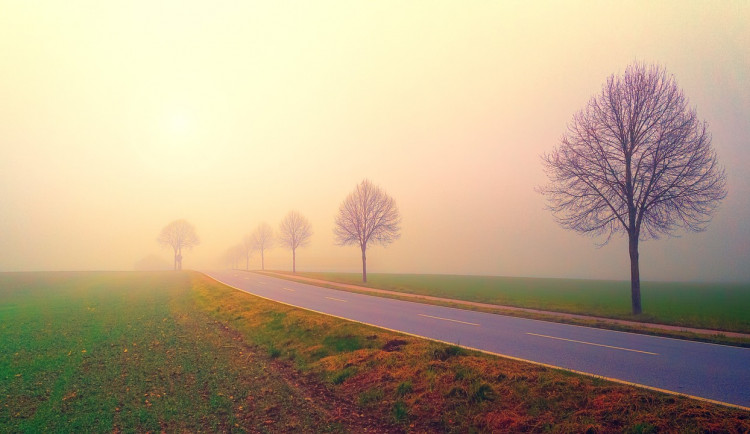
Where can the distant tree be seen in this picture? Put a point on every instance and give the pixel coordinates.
(233, 255)
(248, 248)
(178, 235)
(227, 259)
(367, 215)
(635, 161)
(294, 231)
(263, 240)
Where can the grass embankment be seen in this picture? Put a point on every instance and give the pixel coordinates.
(203, 356)
(716, 306)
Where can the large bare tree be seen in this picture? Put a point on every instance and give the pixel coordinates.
(248, 248)
(263, 240)
(637, 161)
(178, 235)
(367, 215)
(294, 231)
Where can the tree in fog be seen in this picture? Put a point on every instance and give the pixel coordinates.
(636, 161)
(263, 240)
(237, 252)
(248, 248)
(178, 235)
(294, 231)
(233, 255)
(367, 215)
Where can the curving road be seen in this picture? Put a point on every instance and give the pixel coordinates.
(707, 371)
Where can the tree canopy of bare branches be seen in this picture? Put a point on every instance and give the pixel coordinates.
(178, 235)
(637, 161)
(263, 240)
(294, 231)
(367, 215)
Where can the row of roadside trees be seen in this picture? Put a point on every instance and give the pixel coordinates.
(294, 231)
(367, 216)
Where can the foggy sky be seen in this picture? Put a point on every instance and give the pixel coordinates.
(119, 117)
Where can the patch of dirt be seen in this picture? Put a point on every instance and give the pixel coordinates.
(394, 345)
(24, 406)
(316, 394)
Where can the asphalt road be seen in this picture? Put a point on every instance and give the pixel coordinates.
(714, 372)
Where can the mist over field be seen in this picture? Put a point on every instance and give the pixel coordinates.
(117, 118)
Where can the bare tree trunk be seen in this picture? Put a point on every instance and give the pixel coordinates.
(364, 264)
(294, 261)
(262, 261)
(635, 274)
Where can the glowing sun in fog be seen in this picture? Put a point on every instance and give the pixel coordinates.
(179, 123)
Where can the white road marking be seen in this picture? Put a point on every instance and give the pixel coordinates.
(287, 289)
(336, 299)
(591, 343)
(448, 319)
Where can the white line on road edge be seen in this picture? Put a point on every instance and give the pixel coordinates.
(337, 299)
(591, 343)
(287, 289)
(448, 319)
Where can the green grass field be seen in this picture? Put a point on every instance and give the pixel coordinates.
(103, 352)
(179, 352)
(719, 306)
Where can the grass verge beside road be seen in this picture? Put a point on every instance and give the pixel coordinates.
(181, 352)
(715, 306)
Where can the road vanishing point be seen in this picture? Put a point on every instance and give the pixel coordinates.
(700, 370)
